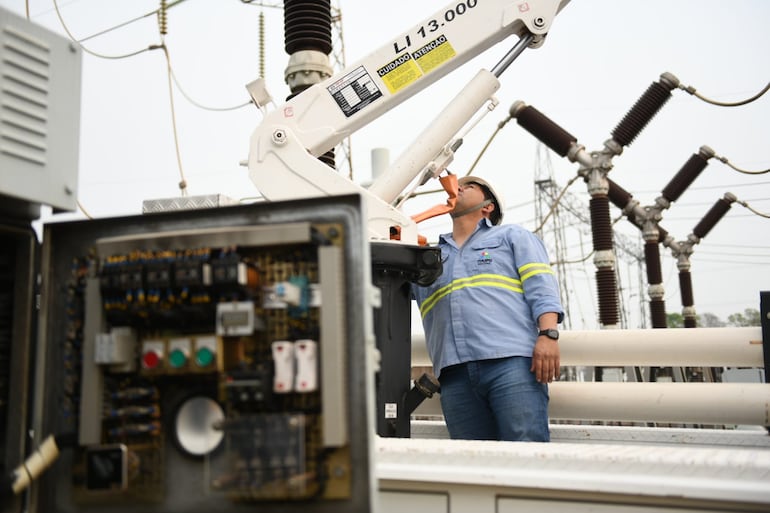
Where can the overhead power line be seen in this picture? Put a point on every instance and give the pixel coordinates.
(88, 51)
(108, 30)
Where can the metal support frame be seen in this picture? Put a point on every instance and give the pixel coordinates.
(18, 289)
(394, 266)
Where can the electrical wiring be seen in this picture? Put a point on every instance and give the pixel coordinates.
(570, 262)
(172, 79)
(128, 22)
(691, 90)
(500, 126)
(91, 52)
(183, 181)
(196, 103)
(158, 12)
(278, 5)
(745, 172)
(82, 209)
(106, 31)
(120, 25)
(754, 211)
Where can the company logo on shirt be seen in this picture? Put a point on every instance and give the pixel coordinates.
(484, 258)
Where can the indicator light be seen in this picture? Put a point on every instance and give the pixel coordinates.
(150, 359)
(177, 358)
(204, 357)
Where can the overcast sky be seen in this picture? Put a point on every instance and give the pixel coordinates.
(599, 57)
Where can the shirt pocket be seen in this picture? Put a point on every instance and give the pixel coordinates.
(487, 256)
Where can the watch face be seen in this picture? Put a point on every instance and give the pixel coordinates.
(550, 333)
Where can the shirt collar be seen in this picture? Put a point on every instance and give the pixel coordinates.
(484, 223)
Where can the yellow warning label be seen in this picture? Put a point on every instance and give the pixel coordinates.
(399, 73)
(434, 54)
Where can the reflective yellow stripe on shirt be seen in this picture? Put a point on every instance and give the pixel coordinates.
(479, 280)
(529, 270)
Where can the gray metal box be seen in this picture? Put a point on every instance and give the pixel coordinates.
(73, 399)
(39, 113)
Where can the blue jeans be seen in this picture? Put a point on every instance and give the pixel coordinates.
(496, 399)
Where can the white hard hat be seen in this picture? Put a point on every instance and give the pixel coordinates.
(497, 214)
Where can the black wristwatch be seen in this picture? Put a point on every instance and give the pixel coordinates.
(551, 333)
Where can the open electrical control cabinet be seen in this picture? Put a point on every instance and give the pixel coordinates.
(199, 360)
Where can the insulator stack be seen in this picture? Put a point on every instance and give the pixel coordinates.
(262, 45)
(685, 288)
(542, 127)
(685, 177)
(642, 112)
(328, 158)
(652, 261)
(618, 195)
(658, 313)
(621, 198)
(609, 314)
(601, 226)
(163, 18)
(307, 25)
(712, 217)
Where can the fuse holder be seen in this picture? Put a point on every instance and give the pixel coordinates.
(306, 379)
(283, 363)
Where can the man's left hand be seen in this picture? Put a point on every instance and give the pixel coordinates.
(545, 360)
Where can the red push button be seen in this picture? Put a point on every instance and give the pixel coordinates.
(150, 360)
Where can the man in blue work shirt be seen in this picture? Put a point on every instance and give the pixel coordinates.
(490, 323)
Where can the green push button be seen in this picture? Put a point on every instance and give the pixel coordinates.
(204, 357)
(177, 359)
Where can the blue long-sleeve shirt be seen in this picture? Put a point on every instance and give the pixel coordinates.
(487, 301)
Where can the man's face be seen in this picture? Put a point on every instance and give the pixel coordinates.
(468, 195)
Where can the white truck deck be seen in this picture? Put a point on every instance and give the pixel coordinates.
(592, 467)
(584, 468)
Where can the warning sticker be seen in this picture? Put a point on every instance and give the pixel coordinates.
(400, 72)
(354, 91)
(408, 67)
(432, 55)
